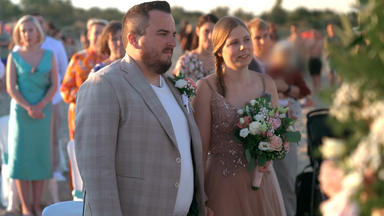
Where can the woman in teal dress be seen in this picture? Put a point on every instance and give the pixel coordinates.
(31, 82)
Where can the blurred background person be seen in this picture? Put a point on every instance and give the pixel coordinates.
(70, 46)
(315, 52)
(110, 44)
(259, 30)
(60, 55)
(199, 62)
(331, 38)
(84, 39)
(4, 43)
(291, 87)
(2, 72)
(273, 33)
(300, 49)
(31, 82)
(186, 38)
(77, 72)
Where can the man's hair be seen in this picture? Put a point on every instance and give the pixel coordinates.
(136, 19)
(258, 24)
(94, 21)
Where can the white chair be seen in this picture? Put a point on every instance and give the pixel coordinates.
(9, 195)
(67, 208)
(76, 178)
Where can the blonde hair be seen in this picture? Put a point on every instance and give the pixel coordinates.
(258, 24)
(16, 31)
(220, 33)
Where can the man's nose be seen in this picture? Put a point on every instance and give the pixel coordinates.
(172, 42)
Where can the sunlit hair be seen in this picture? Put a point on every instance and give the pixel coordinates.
(94, 21)
(258, 24)
(16, 31)
(208, 18)
(109, 31)
(136, 19)
(220, 34)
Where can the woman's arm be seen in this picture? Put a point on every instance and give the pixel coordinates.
(202, 113)
(11, 79)
(53, 87)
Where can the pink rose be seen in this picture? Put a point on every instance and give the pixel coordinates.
(276, 143)
(276, 123)
(269, 134)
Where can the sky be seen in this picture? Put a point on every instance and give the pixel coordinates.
(254, 6)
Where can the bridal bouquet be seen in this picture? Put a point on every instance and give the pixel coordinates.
(186, 87)
(265, 133)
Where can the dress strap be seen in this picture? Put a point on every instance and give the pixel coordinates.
(209, 84)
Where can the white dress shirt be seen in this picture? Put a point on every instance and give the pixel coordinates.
(183, 139)
(61, 60)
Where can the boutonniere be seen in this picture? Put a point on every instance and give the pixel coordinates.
(186, 87)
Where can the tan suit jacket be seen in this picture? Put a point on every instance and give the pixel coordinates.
(126, 147)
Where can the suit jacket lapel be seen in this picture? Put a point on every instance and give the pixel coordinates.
(137, 80)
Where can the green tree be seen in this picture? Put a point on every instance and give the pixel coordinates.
(8, 10)
(246, 16)
(220, 11)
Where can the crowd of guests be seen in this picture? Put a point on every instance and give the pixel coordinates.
(38, 77)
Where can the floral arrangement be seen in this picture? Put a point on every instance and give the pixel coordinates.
(357, 117)
(186, 87)
(192, 67)
(265, 133)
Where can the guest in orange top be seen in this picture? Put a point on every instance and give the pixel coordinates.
(78, 69)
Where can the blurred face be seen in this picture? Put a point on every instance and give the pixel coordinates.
(294, 29)
(115, 44)
(158, 41)
(94, 33)
(237, 50)
(204, 33)
(261, 42)
(29, 34)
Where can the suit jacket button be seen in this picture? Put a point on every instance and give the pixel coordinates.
(176, 185)
(178, 160)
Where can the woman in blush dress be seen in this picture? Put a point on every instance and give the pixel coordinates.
(219, 96)
(199, 62)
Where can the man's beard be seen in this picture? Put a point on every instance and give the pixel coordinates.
(152, 61)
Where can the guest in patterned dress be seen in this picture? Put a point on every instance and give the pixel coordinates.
(78, 69)
(32, 83)
(199, 62)
(110, 44)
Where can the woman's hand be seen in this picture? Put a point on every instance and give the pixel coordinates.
(264, 168)
(35, 112)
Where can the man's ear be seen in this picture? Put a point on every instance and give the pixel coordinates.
(133, 40)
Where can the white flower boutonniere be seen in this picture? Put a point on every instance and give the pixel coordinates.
(186, 87)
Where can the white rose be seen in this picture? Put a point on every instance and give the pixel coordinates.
(352, 181)
(377, 129)
(253, 102)
(244, 132)
(332, 148)
(181, 83)
(264, 146)
(240, 112)
(258, 117)
(254, 127)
